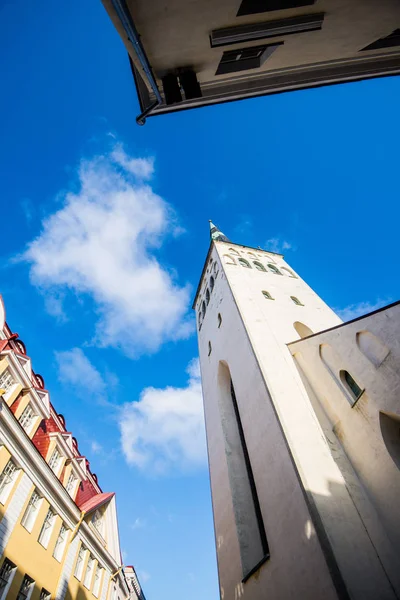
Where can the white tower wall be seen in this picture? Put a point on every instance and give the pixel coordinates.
(318, 545)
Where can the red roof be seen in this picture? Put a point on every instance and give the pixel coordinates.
(96, 501)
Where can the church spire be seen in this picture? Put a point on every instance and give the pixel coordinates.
(216, 234)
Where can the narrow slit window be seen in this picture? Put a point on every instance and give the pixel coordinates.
(211, 283)
(351, 384)
(267, 295)
(244, 263)
(209, 348)
(219, 320)
(203, 309)
(296, 301)
(208, 296)
(259, 266)
(274, 269)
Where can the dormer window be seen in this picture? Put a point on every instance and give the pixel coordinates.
(97, 522)
(6, 381)
(55, 460)
(70, 487)
(27, 418)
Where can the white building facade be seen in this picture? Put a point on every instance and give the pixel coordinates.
(301, 433)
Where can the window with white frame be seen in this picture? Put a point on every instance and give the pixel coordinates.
(89, 572)
(71, 483)
(7, 381)
(80, 561)
(55, 460)
(97, 522)
(7, 478)
(27, 417)
(97, 581)
(31, 512)
(47, 528)
(7, 572)
(26, 588)
(60, 543)
(45, 595)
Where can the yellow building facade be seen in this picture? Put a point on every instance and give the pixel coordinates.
(58, 529)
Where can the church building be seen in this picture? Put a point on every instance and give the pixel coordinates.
(303, 431)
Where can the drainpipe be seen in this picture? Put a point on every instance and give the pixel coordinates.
(124, 16)
(78, 525)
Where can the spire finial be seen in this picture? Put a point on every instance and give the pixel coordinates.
(216, 234)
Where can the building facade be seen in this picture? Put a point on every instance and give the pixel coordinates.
(58, 529)
(303, 431)
(191, 54)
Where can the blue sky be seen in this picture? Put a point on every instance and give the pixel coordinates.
(105, 233)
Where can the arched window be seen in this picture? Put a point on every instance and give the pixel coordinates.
(302, 329)
(274, 269)
(259, 266)
(350, 384)
(203, 308)
(219, 320)
(244, 263)
(229, 260)
(211, 283)
(208, 296)
(390, 429)
(296, 301)
(235, 252)
(267, 295)
(215, 268)
(209, 348)
(288, 272)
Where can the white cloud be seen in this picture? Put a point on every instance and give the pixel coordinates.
(76, 369)
(140, 167)
(95, 447)
(102, 244)
(279, 245)
(139, 523)
(362, 308)
(143, 576)
(164, 430)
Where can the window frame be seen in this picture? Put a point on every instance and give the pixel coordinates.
(259, 266)
(89, 573)
(26, 588)
(32, 510)
(244, 263)
(267, 295)
(32, 418)
(97, 581)
(80, 562)
(7, 388)
(10, 576)
(349, 386)
(61, 542)
(296, 301)
(274, 269)
(7, 486)
(47, 528)
(55, 467)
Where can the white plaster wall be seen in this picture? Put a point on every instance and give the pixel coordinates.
(357, 428)
(274, 405)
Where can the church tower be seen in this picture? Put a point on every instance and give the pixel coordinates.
(286, 524)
